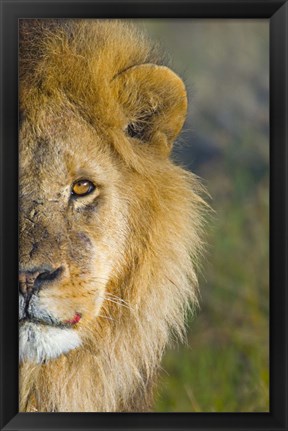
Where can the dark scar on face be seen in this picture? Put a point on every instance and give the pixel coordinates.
(84, 238)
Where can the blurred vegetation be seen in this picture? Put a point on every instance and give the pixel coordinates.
(225, 365)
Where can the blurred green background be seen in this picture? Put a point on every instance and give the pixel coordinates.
(224, 367)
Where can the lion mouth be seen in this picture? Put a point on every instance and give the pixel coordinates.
(30, 310)
(53, 323)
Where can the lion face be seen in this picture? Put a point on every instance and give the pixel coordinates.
(95, 181)
(73, 224)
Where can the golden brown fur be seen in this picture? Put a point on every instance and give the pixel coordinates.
(135, 248)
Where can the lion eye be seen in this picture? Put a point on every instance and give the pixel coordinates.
(82, 188)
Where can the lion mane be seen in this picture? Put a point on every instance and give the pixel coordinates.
(112, 78)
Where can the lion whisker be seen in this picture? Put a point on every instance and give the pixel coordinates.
(116, 302)
(106, 317)
(117, 298)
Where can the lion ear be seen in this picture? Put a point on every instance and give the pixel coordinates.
(154, 102)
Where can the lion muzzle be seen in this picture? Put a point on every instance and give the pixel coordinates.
(32, 280)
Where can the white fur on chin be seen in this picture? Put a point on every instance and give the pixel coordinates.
(38, 343)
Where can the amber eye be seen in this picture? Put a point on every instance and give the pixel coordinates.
(82, 188)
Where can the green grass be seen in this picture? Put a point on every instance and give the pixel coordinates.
(225, 365)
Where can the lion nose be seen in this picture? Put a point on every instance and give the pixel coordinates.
(33, 280)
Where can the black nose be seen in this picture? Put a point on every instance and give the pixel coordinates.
(35, 279)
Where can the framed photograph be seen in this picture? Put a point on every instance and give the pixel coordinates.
(144, 212)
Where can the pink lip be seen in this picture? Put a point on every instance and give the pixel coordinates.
(75, 319)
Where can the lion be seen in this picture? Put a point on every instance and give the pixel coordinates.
(110, 228)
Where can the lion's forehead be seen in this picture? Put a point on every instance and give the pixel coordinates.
(52, 158)
(64, 138)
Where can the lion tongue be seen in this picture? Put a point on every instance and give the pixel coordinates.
(75, 319)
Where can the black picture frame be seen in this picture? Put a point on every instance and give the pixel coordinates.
(277, 13)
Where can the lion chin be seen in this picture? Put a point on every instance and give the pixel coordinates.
(40, 343)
